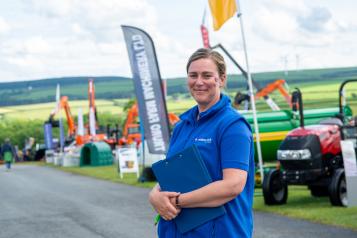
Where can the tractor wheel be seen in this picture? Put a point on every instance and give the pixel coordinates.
(338, 189)
(319, 191)
(275, 191)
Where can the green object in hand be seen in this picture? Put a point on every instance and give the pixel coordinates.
(157, 219)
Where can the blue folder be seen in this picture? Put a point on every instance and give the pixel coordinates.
(185, 172)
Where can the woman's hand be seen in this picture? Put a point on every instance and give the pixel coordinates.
(163, 203)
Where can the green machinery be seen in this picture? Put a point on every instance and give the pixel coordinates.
(275, 125)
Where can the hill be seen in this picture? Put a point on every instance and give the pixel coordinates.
(111, 87)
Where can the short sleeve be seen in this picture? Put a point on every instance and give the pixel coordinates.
(236, 145)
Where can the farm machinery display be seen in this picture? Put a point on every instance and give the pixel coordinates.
(273, 125)
(311, 155)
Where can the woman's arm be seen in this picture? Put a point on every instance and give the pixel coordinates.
(216, 193)
(161, 203)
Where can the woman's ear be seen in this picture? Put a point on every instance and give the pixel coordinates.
(222, 81)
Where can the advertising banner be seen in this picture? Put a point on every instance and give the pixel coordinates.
(48, 135)
(148, 89)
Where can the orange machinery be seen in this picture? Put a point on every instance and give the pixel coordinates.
(131, 130)
(63, 104)
(92, 135)
(279, 84)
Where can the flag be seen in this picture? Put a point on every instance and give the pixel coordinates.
(48, 136)
(58, 102)
(204, 31)
(80, 130)
(148, 89)
(92, 127)
(62, 139)
(205, 38)
(221, 11)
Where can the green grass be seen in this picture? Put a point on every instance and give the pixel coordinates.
(109, 173)
(114, 107)
(300, 203)
(118, 87)
(315, 95)
(43, 110)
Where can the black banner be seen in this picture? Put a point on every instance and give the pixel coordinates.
(148, 88)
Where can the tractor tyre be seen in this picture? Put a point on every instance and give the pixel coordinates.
(338, 189)
(275, 190)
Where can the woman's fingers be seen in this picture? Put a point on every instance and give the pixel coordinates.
(161, 201)
(169, 216)
(171, 194)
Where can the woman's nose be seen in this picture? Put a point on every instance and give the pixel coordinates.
(199, 79)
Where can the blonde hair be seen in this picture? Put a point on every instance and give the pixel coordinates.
(205, 53)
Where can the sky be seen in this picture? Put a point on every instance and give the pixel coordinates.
(58, 38)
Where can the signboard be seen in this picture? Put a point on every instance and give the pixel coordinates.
(148, 89)
(145, 157)
(350, 165)
(127, 161)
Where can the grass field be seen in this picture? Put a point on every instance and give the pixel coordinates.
(115, 107)
(35, 91)
(300, 204)
(43, 110)
(315, 95)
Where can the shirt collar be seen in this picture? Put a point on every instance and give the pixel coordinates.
(191, 115)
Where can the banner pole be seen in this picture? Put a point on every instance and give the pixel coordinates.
(252, 99)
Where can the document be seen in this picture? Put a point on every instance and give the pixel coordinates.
(185, 172)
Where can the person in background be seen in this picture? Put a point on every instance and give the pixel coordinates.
(8, 153)
(17, 158)
(225, 141)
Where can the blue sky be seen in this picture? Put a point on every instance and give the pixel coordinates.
(41, 38)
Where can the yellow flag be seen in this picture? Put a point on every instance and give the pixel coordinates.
(221, 11)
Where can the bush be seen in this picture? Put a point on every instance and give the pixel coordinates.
(18, 130)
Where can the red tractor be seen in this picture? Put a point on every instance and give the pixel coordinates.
(312, 156)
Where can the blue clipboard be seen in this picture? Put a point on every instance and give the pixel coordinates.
(185, 172)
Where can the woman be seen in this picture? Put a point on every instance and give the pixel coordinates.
(225, 142)
(8, 153)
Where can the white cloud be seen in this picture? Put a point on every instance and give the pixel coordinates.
(36, 45)
(29, 62)
(74, 37)
(275, 26)
(53, 8)
(4, 26)
(77, 29)
(280, 28)
(80, 37)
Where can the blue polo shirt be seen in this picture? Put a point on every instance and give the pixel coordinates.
(224, 139)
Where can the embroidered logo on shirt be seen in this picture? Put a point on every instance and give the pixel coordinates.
(204, 140)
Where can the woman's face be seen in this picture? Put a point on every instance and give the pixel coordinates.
(204, 83)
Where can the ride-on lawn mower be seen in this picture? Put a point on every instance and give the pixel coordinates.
(312, 156)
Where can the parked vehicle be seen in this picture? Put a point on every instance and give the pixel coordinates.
(311, 155)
